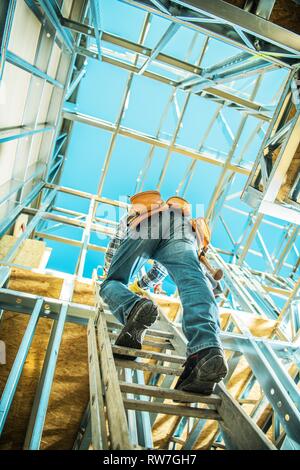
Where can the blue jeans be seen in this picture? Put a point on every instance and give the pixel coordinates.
(171, 241)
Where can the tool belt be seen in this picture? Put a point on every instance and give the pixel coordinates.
(144, 205)
(148, 203)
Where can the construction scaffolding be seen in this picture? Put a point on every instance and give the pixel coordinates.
(61, 386)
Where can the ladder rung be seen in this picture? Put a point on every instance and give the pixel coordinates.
(169, 394)
(218, 445)
(153, 407)
(160, 334)
(177, 440)
(113, 323)
(147, 342)
(148, 354)
(147, 367)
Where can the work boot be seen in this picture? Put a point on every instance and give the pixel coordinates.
(202, 371)
(141, 317)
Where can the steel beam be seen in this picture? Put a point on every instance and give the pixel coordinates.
(21, 302)
(16, 186)
(291, 238)
(161, 5)
(143, 173)
(187, 178)
(16, 370)
(235, 26)
(54, 16)
(95, 11)
(180, 118)
(40, 405)
(173, 141)
(14, 59)
(166, 37)
(209, 91)
(283, 162)
(70, 221)
(262, 8)
(253, 196)
(85, 239)
(24, 131)
(144, 428)
(6, 19)
(96, 122)
(124, 100)
(224, 181)
(10, 219)
(29, 229)
(273, 384)
(237, 67)
(76, 81)
(86, 195)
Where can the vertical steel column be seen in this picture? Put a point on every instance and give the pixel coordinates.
(15, 373)
(166, 37)
(143, 173)
(210, 213)
(53, 14)
(72, 87)
(32, 110)
(41, 400)
(67, 78)
(40, 405)
(30, 227)
(121, 112)
(85, 239)
(6, 20)
(95, 14)
(179, 122)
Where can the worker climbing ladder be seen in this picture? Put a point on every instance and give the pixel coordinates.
(120, 397)
(130, 400)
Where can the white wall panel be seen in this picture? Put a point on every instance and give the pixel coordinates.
(25, 32)
(35, 148)
(7, 160)
(66, 8)
(44, 104)
(16, 84)
(54, 61)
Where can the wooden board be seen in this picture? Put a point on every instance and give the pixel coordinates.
(70, 391)
(30, 253)
(285, 13)
(258, 326)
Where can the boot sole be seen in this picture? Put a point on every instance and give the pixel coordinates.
(204, 377)
(132, 334)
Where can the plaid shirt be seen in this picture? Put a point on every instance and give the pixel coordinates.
(154, 276)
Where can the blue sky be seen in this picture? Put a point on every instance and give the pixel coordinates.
(100, 94)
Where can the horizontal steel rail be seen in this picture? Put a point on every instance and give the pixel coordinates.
(13, 59)
(16, 370)
(233, 25)
(22, 132)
